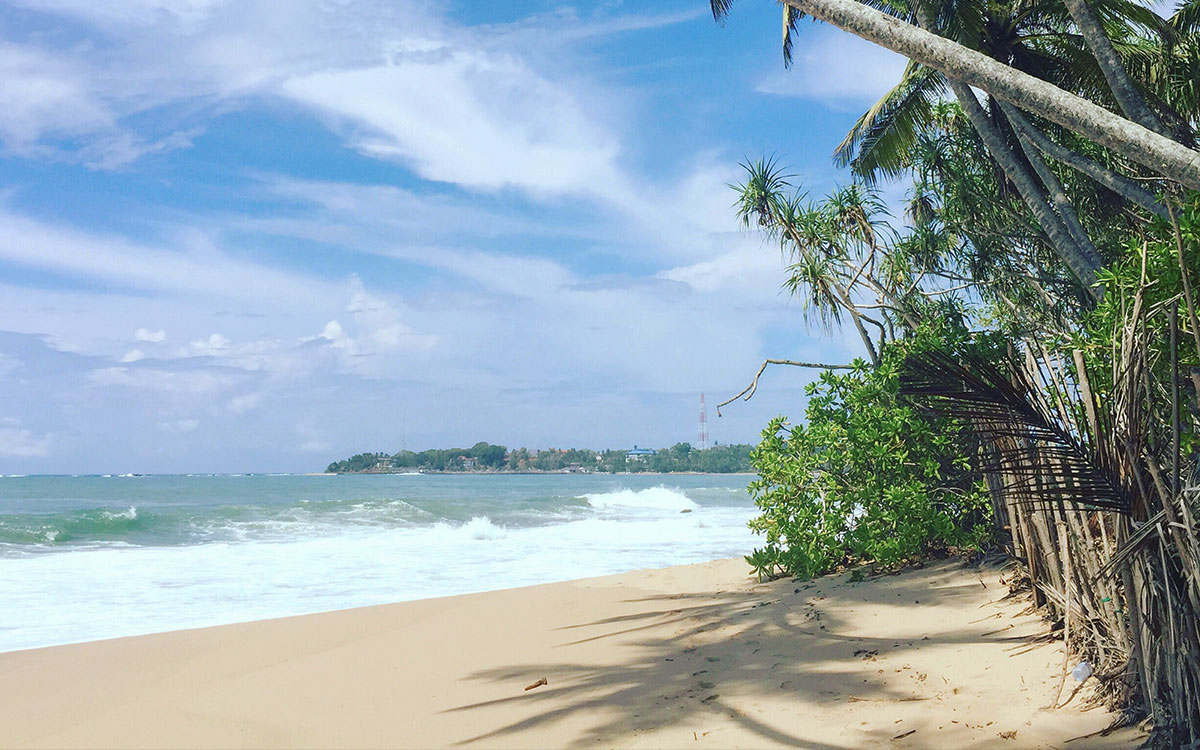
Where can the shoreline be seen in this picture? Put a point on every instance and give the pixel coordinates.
(700, 654)
(134, 475)
(555, 472)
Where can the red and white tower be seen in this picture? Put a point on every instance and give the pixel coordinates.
(703, 434)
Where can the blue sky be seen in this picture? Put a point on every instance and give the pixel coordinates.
(234, 238)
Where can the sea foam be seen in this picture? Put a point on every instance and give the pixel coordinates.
(651, 498)
(83, 573)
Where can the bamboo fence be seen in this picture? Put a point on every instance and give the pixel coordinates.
(1100, 491)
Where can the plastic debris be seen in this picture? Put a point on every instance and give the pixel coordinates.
(1082, 671)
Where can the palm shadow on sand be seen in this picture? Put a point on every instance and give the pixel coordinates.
(775, 640)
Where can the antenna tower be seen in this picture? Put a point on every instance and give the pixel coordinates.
(703, 434)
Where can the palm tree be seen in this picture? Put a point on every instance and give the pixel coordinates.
(1035, 37)
(1126, 93)
(844, 259)
(1159, 153)
(1014, 33)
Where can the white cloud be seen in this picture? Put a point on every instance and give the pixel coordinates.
(480, 120)
(16, 442)
(133, 355)
(378, 332)
(752, 270)
(833, 66)
(49, 96)
(44, 93)
(138, 55)
(213, 346)
(123, 148)
(129, 12)
(487, 110)
(246, 403)
(189, 384)
(153, 337)
(190, 265)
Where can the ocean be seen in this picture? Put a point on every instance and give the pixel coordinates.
(90, 557)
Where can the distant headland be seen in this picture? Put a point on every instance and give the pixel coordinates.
(487, 458)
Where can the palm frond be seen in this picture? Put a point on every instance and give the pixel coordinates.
(720, 9)
(1044, 460)
(1186, 18)
(1119, 15)
(765, 187)
(878, 143)
(791, 19)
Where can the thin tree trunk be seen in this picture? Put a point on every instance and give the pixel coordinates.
(1076, 258)
(847, 303)
(856, 316)
(1081, 264)
(1066, 210)
(1135, 142)
(1119, 184)
(1123, 89)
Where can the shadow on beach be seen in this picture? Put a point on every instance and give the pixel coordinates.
(792, 664)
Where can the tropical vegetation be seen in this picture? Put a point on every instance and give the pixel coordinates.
(1031, 349)
(485, 457)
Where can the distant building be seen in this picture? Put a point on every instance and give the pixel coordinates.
(639, 454)
(468, 463)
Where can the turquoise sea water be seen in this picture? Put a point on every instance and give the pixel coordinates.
(88, 557)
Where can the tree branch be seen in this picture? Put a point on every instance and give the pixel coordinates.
(749, 390)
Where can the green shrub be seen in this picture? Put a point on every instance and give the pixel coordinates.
(865, 478)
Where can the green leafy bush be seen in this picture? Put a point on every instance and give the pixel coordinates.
(866, 478)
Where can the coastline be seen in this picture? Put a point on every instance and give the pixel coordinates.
(535, 472)
(701, 655)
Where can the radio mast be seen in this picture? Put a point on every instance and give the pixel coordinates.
(703, 432)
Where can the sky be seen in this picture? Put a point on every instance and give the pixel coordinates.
(251, 236)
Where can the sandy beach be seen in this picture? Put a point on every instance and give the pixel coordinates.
(692, 656)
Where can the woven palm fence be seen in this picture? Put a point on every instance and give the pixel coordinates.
(1092, 468)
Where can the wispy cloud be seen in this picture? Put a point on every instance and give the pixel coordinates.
(835, 67)
(45, 92)
(476, 120)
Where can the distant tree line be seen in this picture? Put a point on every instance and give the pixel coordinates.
(485, 457)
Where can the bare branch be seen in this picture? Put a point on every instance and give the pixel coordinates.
(748, 391)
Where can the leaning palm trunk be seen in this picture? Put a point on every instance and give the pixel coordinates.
(1119, 82)
(1083, 264)
(1119, 184)
(1063, 229)
(1058, 195)
(1133, 141)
